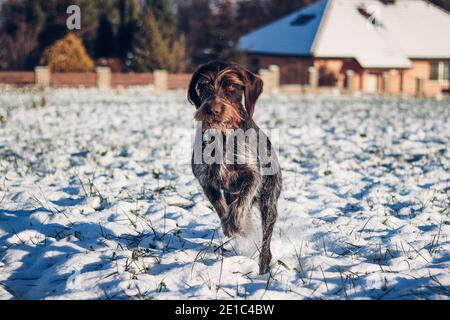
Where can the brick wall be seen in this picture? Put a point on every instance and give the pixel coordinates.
(88, 79)
(175, 81)
(17, 78)
(179, 81)
(131, 79)
(293, 70)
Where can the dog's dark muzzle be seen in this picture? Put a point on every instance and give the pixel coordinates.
(209, 110)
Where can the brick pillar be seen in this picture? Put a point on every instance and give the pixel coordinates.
(42, 77)
(161, 80)
(313, 76)
(350, 80)
(419, 88)
(265, 76)
(275, 73)
(386, 83)
(103, 77)
(271, 78)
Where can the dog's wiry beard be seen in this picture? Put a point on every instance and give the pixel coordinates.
(229, 118)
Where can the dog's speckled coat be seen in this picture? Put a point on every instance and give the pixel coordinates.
(217, 90)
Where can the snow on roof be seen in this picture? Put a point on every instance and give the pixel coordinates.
(343, 29)
(291, 35)
(420, 28)
(346, 32)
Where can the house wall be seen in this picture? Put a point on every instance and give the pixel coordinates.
(293, 70)
(332, 72)
(421, 69)
(264, 61)
(404, 81)
(395, 81)
(338, 68)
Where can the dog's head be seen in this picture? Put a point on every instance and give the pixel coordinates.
(217, 90)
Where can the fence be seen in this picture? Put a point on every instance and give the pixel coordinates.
(131, 79)
(102, 77)
(17, 78)
(88, 79)
(161, 80)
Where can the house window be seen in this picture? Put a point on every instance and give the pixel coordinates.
(446, 75)
(434, 71)
(303, 19)
(440, 71)
(255, 64)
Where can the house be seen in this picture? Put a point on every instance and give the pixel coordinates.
(391, 46)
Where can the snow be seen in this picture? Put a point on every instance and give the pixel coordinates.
(347, 33)
(97, 200)
(419, 27)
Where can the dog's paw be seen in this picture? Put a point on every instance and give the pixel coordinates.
(235, 222)
(229, 227)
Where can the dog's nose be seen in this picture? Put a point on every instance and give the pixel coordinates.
(216, 110)
(216, 107)
(211, 110)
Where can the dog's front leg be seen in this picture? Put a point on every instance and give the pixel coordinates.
(243, 190)
(217, 199)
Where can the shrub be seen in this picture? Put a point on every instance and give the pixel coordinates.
(68, 55)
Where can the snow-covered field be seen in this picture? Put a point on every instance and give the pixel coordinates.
(96, 201)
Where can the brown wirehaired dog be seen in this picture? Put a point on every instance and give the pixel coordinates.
(218, 90)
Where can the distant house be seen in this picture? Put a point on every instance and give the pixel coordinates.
(386, 45)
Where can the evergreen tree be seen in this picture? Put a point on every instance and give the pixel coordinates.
(178, 57)
(150, 51)
(250, 15)
(162, 9)
(224, 32)
(105, 39)
(279, 8)
(444, 4)
(167, 23)
(128, 11)
(156, 44)
(195, 21)
(20, 24)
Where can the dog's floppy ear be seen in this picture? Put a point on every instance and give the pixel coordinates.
(253, 89)
(193, 97)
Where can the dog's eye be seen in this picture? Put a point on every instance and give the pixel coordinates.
(232, 88)
(202, 85)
